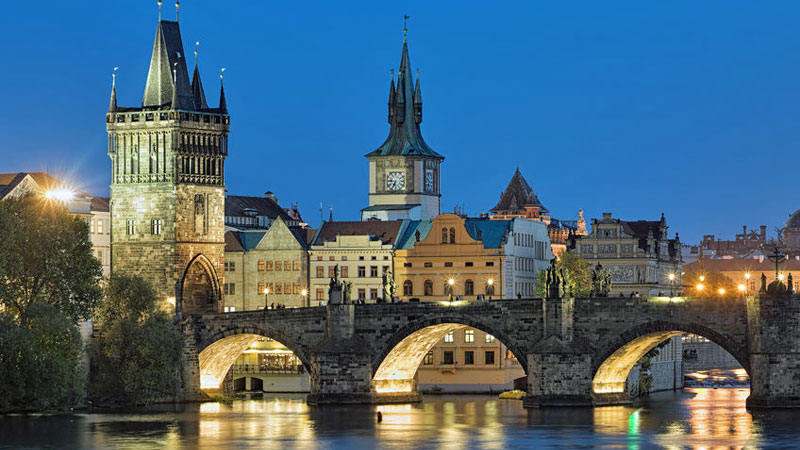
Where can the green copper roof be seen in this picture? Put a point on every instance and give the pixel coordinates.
(405, 115)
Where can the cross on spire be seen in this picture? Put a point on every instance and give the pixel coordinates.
(405, 27)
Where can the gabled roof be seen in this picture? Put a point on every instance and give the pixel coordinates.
(235, 205)
(641, 228)
(492, 233)
(517, 195)
(405, 137)
(100, 204)
(232, 243)
(794, 220)
(386, 231)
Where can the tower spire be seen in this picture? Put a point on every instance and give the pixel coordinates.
(405, 27)
(112, 104)
(391, 96)
(198, 93)
(223, 105)
(159, 10)
(177, 9)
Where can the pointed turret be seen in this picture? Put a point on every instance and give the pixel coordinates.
(167, 62)
(112, 104)
(198, 94)
(223, 105)
(405, 114)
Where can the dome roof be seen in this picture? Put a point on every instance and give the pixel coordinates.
(794, 220)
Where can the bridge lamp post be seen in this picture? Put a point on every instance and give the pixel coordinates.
(450, 284)
(266, 298)
(699, 287)
(742, 288)
(490, 287)
(671, 278)
(721, 291)
(304, 293)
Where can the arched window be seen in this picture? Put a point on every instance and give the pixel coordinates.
(469, 287)
(428, 287)
(452, 235)
(408, 288)
(444, 235)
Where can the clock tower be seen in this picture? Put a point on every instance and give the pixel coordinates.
(404, 176)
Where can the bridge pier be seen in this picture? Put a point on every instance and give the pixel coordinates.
(774, 352)
(559, 377)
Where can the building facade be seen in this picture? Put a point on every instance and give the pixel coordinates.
(639, 255)
(167, 181)
(404, 172)
(246, 212)
(266, 268)
(362, 252)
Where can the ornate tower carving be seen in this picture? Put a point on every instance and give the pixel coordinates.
(167, 181)
(404, 177)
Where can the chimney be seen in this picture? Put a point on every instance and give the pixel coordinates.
(744, 230)
(271, 196)
(763, 232)
(606, 215)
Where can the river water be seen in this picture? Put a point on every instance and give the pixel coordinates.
(700, 418)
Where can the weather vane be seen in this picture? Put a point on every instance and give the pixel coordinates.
(177, 10)
(196, 46)
(221, 73)
(114, 77)
(405, 26)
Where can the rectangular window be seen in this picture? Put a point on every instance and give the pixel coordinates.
(374, 258)
(428, 359)
(489, 263)
(320, 272)
(467, 264)
(362, 294)
(406, 264)
(344, 258)
(278, 288)
(331, 258)
(99, 227)
(278, 266)
(296, 288)
(447, 357)
(319, 258)
(344, 272)
(448, 337)
(130, 227)
(320, 294)
(287, 265)
(296, 266)
(260, 289)
(373, 271)
(270, 266)
(261, 266)
(156, 226)
(287, 288)
(448, 264)
(270, 289)
(360, 258)
(373, 294)
(362, 271)
(489, 338)
(91, 225)
(331, 271)
(386, 258)
(488, 357)
(427, 264)
(469, 357)
(229, 289)
(469, 336)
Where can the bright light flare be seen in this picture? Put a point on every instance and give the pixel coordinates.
(490, 281)
(780, 277)
(64, 195)
(741, 288)
(702, 278)
(304, 292)
(747, 275)
(721, 291)
(451, 281)
(671, 277)
(699, 286)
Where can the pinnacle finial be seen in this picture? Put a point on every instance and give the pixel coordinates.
(405, 27)
(159, 10)
(417, 72)
(175, 74)
(177, 10)
(196, 51)
(114, 77)
(391, 71)
(221, 74)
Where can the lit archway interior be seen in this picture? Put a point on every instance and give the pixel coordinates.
(612, 375)
(199, 287)
(397, 370)
(216, 359)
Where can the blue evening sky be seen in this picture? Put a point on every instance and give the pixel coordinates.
(634, 107)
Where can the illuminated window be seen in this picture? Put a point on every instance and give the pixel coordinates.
(287, 265)
(320, 272)
(270, 288)
(287, 288)
(362, 294)
(278, 265)
(448, 337)
(261, 266)
(156, 226)
(489, 338)
(428, 359)
(408, 288)
(296, 288)
(260, 289)
(278, 288)
(296, 266)
(320, 294)
(331, 271)
(99, 227)
(345, 272)
(469, 336)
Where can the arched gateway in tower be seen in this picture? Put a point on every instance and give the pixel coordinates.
(167, 180)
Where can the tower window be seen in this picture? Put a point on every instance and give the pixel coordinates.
(156, 226)
(452, 235)
(130, 227)
(469, 336)
(444, 235)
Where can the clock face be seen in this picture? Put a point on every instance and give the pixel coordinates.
(429, 181)
(396, 181)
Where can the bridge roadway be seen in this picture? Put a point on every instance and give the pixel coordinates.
(574, 351)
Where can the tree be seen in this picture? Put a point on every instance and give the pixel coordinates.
(40, 365)
(46, 257)
(136, 359)
(578, 272)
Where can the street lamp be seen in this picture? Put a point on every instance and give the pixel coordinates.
(490, 287)
(699, 286)
(671, 278)
(450, 284)
(741, 288)
(721, 291)
(304, 293)
(266, 298)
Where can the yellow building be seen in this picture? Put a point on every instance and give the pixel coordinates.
(744, 272)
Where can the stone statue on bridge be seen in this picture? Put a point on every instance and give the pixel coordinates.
(339, 291)
(388, 285)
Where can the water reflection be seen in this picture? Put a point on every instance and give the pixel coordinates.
(694, 418)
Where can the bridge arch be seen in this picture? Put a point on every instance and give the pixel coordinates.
(616, 358)
(402, 353)
(218, 352)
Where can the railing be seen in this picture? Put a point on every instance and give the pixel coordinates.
(261, 368)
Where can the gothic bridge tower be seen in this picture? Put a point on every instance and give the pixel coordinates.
(404, 177)
(167, 180)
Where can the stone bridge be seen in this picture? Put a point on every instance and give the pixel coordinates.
(574, 351)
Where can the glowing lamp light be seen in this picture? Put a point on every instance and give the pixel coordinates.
(671, 277)
(451, 281)
(702, 278)
(64, 195)
(741, 288)
(747, 275)
(490, 281)
(780, 277)
(304, 292)
(721, 291)
(699, 286)
(171, 300)
(266, 291)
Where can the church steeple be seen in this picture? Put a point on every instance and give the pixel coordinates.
(112, 104)
(405, 115)
(223, 105)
